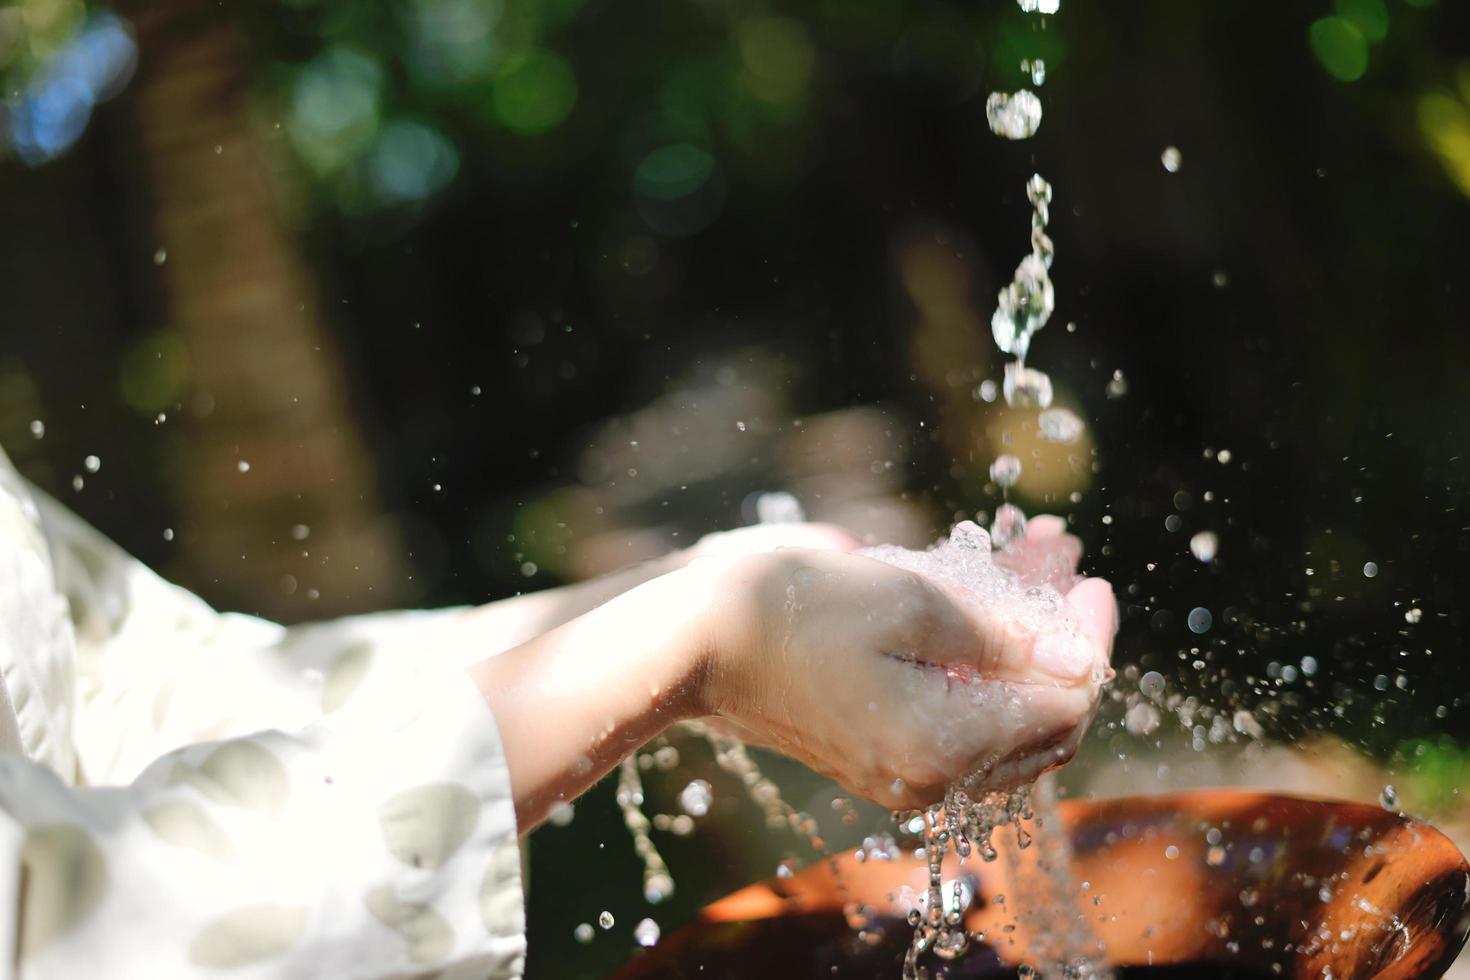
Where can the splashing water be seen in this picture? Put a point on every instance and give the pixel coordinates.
(1204, 546)
(646, 933)
(965, 562)
(658, 884)
(1047, 896)
(972, 811)
(1060, 425)
(696, 798)
(1005, 471)
(1009, 527)
(968, 817)
(1016, 116)
(967, 825)
(1026, 387)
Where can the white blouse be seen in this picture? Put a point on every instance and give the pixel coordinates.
(185, 793)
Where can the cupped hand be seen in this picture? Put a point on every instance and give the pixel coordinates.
(897, 685)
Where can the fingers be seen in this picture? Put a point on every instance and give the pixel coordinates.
(1093, 606)
(1047, 556)
(993, 641)
(1068, 656)
(1044, 527)
(1082, 654)
(985, 734)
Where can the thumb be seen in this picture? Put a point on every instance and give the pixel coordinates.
(1071, 650)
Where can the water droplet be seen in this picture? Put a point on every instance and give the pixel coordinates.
(92, 464)
(1151, 685)
(561, 814)
(1250, 896)
(1142, 719)
(1223, 456)
(300, 532)
(1060, 425)
(988, 391)
(1023, 306)
(646, 932)
(605, 919)
(1036, 68)
(658, 888)
(1006, 470)
(583, 933)
(1413, 615)
(1389, 797)
(1117, 385)
(1171, 852)
(168, 534)
(1171, 158)
(243, 466)
(1309, 666)
(160, 256)
(1016, 116)
(1221, 279)
(1200, 620)
(1370, 569)
(695, 798)
(1204, 545)
(77, 483)
(38, 428)
(1215, 856)
(1026, 387)
(1040, 6)
(1008, 528)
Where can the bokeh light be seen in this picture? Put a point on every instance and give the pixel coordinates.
(452, 42)
(154, 372)
(1370, 17)
(535, 93)
(335, 106)
(50, 114)
(1341, 48)
(777, 55)
(409, 161)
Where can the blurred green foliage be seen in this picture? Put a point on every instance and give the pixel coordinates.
(1435, 774)
(625, 171)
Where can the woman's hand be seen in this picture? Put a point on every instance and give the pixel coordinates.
(893, 684)
(887, 681)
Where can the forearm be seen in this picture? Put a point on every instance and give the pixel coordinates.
(572, 702)
(510, 622)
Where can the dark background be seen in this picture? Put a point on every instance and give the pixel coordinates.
(443, 385)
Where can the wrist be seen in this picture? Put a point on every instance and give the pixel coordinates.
(720, 594)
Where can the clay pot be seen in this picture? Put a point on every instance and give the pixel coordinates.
(1214, 883)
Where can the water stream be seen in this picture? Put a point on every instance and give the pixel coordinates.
(967, 821)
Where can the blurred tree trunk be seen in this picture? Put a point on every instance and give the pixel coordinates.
(268, 385)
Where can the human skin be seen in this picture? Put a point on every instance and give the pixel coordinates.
(878, 677)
